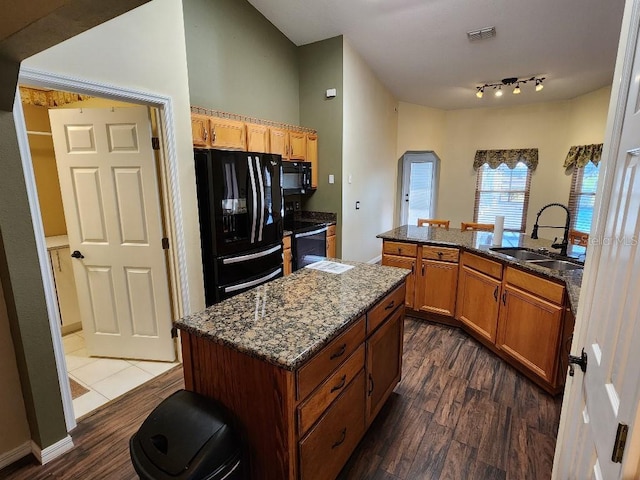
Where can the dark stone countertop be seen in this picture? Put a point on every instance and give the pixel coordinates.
(287, 320)
(481, 243)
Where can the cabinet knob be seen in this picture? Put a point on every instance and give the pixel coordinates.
(77, 254)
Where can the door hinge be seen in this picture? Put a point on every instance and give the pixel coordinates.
(174, 332)
(618, 445)
(155, 143)
(581, 361)
(165, 243)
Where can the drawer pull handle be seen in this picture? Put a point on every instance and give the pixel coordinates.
(343, 436)
(440, 255)
(399, 250)
(504, 298)
(370, 385)
(340, 385)
(339, 353)
(391, 305)
(495, 293)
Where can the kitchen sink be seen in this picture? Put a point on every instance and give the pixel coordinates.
(520, 253)
(556, 264)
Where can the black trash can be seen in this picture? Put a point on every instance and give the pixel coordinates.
(187, 436)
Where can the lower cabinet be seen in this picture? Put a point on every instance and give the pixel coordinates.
(384, 362)
(331, 241)
(304, 424)
(478, 302)
(408, 263)
(437, 285)
(287, 258)
(529, 332)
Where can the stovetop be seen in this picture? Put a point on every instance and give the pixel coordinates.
(297, 226)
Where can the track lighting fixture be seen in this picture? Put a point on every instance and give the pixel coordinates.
(508, 82)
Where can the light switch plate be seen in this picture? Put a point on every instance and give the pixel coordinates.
(332, 179)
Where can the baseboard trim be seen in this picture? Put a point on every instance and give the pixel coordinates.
(7, 458)
(377, 259)
(52, 452)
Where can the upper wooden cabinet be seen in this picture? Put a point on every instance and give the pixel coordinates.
(279, 142)
(257, 138)
(312, 157)
(297, 145)
(200, 130)
(225, 133)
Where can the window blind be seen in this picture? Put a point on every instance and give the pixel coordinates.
(584, 182)
(503, 191)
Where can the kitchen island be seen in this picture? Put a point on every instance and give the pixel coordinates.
(521, 310)
(304, 363)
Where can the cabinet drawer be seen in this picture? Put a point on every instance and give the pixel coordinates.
(541, 287)
(286, 242)
(324, 362)
(331, 230)
(442, 254)
(385, 307)
(399, 248)
(318, 402)
(488, 267)
(329, 444)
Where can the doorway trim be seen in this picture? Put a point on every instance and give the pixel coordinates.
(404, 161)
(164, 104)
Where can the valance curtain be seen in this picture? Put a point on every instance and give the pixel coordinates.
(580, 155)
(494, 158)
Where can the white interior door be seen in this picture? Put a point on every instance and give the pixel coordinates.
(111, 203)
(608, 395)
(419, 187)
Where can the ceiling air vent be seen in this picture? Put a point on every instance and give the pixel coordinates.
(481, 34)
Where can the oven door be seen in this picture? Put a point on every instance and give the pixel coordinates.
(309, 247)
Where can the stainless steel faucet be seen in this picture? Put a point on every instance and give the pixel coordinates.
(565, 240)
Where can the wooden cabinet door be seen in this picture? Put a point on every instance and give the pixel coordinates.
(257, 138)
(200, 130)
(408, 263)
(279, 142)
(478, 302)
(384, 362)
(529, 331)
(331, 246)
(312, 157)
(229, 134)
(287, 258)
(297, 145)
(437, 286)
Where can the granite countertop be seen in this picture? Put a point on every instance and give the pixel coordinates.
(481, 242)
(287, 320)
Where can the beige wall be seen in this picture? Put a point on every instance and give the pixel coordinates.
(368, 156)
(13, 417)
(551, 127)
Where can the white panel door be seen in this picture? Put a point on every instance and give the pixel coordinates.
(610, 315)
(419, 187)
(112, 207)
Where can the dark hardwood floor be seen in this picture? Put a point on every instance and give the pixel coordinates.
(459, 413)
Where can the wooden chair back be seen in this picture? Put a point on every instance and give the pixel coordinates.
(578, 238)
(433, 223)
(484, 227)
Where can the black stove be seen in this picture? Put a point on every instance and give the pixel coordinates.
(301, 226)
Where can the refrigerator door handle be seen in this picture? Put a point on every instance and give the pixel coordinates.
(315, 232)
(254, 199)
(253, 283)
(251, 256)
(261, 197)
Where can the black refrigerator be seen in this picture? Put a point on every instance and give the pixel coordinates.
(240, 207)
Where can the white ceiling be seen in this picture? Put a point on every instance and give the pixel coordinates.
(419, 48)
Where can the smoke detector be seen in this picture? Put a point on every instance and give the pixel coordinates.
(481, 34)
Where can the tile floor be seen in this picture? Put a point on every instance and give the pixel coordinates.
(106, 378)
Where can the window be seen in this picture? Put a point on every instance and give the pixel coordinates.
(582, 196)
(503, 191)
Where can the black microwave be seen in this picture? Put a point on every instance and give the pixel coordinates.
(296, 178)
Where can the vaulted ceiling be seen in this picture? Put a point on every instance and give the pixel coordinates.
(420, 51)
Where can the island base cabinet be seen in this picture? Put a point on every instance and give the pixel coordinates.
(384, 362)
(529, 332)
(409, 264)
(437, 286)
(327, 447)
(478, 303)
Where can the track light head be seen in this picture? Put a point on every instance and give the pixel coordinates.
(507, 82)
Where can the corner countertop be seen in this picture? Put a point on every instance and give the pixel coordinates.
(481, 243)
(287, 320)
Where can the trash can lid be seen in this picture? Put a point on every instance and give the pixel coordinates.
(183, 426)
